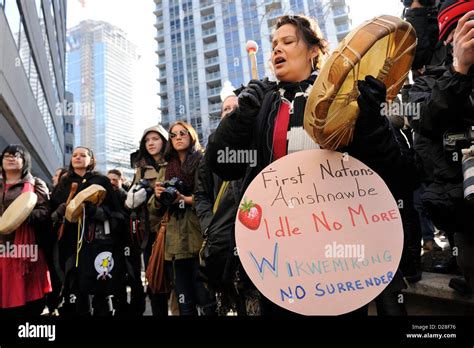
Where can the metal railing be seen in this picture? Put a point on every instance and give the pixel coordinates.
(213, 76)
(211, 61)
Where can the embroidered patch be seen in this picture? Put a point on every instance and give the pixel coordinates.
(104, 263)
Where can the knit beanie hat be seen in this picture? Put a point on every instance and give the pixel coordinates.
(450, 13)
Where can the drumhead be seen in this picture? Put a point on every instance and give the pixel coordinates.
(17, 212)
(383, 47)
(94, 194)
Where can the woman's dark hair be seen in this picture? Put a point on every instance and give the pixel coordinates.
(62, 172)
(143, 154)
(307, 29)
(193, 155)
(90, 167)
(25, 156)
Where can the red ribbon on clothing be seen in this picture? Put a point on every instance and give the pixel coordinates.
(281, 130)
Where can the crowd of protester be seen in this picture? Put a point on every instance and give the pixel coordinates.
(196, 197)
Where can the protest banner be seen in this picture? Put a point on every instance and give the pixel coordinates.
(319, 233)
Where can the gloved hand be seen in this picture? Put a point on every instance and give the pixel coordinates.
(135, 199)
(251, 97)
(95, 212)
(100, 214)
(58, 214)
(372, 94)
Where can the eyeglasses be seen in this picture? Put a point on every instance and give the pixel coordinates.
(10, 156)
(182, 132)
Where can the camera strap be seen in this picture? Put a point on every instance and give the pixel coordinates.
(146, 233)
(138, 236)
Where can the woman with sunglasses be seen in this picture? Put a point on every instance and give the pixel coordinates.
(24, 278)
(89, 251)
(148, 162)
(174, 197)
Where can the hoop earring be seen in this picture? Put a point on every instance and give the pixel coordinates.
(312, 65)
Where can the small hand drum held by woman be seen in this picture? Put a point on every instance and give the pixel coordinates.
(94, 194)
(17, 212)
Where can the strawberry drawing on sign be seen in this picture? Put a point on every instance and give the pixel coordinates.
(250, 214)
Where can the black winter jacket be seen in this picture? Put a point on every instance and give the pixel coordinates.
(425, 22)
(206, 189)
(218, 228)
(446, 99)
(83, 277)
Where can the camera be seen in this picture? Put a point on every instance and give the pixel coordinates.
(462, 143)
(455, 141)
(172, 186)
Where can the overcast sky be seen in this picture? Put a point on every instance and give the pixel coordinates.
(361, 10)
(136, 18)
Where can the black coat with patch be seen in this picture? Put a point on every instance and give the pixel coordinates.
(82, 278)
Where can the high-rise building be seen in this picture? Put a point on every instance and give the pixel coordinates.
(202, 44)
(69, 127)
(100, 62)
(32, 76)
(337, 24)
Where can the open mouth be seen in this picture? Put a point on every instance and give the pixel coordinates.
(279, 61)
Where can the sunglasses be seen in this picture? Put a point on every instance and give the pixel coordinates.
(182, 132)
(10, 156)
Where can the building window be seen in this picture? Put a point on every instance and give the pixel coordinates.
(31, 72)
(13, 18)
(68, 128)
(69, 148)
(39, 11)
(48, 48)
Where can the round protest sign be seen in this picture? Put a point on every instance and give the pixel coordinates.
(319, 233)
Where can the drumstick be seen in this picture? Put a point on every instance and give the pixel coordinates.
(72, 192)
(252, 48)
